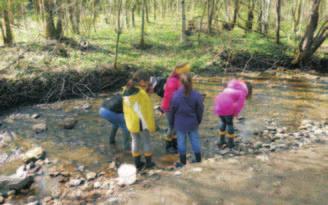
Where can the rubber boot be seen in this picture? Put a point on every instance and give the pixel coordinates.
(138, 163)
(175, 145)
(149, 163)
(222, 142)
(183, 161)
(231, 143)
(169, 147)
(198, 157)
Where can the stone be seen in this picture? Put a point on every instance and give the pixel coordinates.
(31, 199)
(46, 200)
(177, 173)
(113, 201)
(91, 176)
(97, 185)
(21, 171)
(34, 154)
(197, 169)
(263, 158)
(13, 182)
(68, 123)
(81, 168)
(258, 145)
(2, 200)
(35, 116)
(76, 182)
(40, 127)
(224, 152)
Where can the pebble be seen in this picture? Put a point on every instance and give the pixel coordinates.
(97, 185)
(263, 158)
(39, 128)
(76, 182)
(34, 203)
(35, 116)
(197, 169)
(31, 199)
(47, 199)
(2, 199)
(91, 176)
(177, 173)
(113, 201)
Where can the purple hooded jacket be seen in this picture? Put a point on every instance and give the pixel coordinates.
(186, 111)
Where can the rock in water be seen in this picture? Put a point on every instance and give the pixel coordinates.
(14, 182)
(76, 182)
(91, 176)
(35, 116)
(34, 154)
(68, 123)
(40, 127)
(2, 200)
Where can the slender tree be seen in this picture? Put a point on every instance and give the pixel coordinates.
(278, 18)
(118, 30)
(142, 39)
(6, 30)
(183, 22)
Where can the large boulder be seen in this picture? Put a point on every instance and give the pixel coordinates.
(14, 182)
(34, 154)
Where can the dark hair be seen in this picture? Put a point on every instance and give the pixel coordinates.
(249, 88)
(186, 81)
(137, 77)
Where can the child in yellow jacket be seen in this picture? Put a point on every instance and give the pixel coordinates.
(139, 117)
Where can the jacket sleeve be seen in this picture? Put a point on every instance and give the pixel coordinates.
(238, 105)
(171, 86)
(200, 109)
(173, 110)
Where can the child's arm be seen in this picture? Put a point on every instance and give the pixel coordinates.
(173, 110)
(239, 105)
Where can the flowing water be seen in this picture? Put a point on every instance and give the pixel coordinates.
(283, 98)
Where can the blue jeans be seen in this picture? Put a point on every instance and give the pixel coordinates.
(117, 121)
(194, 139)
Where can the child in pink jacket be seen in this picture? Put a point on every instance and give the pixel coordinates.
(171, 86)
(228, 104)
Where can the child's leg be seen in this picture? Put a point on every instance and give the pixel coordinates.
(169, 147)
(113, 134)
(135, 149)
(126, 133)
(230, 131)
(182, 146)
(222, 131)
(147, 149)
(195, 144)
(112, 118)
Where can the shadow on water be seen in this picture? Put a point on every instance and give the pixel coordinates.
(286, 101)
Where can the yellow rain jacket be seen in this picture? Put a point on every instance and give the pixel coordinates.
(138, 108)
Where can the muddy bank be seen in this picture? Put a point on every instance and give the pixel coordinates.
(284, 169)
(55, 86)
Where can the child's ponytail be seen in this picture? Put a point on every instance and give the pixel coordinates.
(186, 81)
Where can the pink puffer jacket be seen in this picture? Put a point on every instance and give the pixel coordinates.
(232, 100)
(172, 85)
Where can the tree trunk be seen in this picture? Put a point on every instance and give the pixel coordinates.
(155, 9)
(296, 14)
(59, 27)
(49, 17)
(210, 11)
(235, 13)
(74, 15)
(133, 16)
(250, 15)
(278, 11)
(7, 35)
(147, 11)
(311, 41)
(265, 16)
(183, 19)
(118, 31)
(142, 40)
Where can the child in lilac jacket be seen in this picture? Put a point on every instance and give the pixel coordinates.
(186, 115)
(228, 104)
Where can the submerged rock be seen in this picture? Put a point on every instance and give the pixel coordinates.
(6, 138)
(40, 127)
(34, 154)
(68, 123)
(14, 182)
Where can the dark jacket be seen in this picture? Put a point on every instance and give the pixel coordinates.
(186, 111)
(114, 104)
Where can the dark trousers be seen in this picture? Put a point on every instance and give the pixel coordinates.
(226, 127)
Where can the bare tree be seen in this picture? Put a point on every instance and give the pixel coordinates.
(118, 30)
(313, 37)
(250, 15)
(142, 39)
(278, 18)
(5, 25)
(183, 19)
